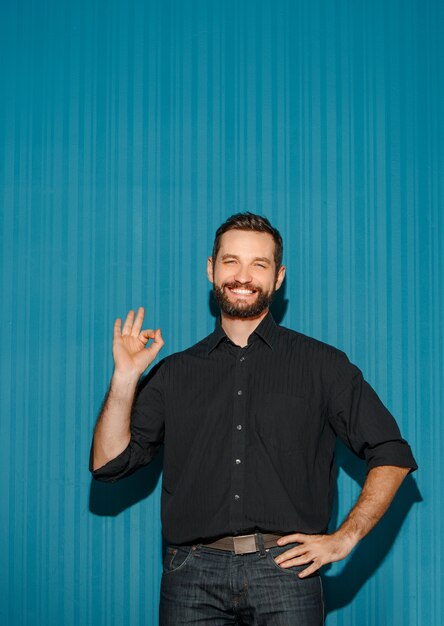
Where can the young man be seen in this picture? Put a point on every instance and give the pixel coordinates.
(249, 418)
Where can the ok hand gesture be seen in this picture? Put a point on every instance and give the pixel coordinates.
(131, 357)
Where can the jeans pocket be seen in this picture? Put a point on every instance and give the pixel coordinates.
(294, 569)
(176, 558)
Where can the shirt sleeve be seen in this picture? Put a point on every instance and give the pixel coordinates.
(147, 430)
(361, 420)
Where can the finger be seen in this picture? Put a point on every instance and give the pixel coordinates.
(149, 333)
(311, 569)
(117, 327)
(297, 537)
(158, 338)
(145, 335)
(128, 323)
(291, 554)
(301, 560)
(157, 344)
(138, 322)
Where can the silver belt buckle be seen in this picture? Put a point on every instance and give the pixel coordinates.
(245, 544)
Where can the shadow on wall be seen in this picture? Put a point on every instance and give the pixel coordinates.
(110, 499)
(341, 589)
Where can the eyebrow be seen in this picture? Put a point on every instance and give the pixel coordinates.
(264, 259)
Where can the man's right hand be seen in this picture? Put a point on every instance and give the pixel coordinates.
(131, 356)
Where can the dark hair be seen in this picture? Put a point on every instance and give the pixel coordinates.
(250, 221)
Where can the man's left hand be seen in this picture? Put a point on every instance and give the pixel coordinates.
(317, 550)
(380, 486)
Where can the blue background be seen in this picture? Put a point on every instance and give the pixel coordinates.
(130, 130)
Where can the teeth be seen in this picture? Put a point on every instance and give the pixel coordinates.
(241, 291)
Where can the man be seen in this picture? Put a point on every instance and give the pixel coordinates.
(249, 418)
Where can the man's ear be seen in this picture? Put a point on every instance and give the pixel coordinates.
(210, 272)
(280, 276)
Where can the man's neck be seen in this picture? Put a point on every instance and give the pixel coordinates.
(238, 329)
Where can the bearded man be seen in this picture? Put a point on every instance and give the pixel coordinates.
(249, 418)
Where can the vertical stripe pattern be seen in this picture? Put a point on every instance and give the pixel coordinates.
(129, 131)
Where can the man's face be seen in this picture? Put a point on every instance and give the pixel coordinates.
(244, 275)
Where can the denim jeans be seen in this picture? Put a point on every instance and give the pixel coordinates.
(203, 586)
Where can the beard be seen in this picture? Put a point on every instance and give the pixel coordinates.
(240, 308)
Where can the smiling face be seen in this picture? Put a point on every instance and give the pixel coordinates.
(244, 275)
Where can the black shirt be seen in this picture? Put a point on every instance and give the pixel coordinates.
(249, 433)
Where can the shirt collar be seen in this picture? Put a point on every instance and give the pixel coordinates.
(267, 331)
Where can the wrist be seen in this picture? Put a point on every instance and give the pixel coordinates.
(348, 536)
(124, 380)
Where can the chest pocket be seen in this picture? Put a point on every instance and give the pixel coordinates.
(282, 421)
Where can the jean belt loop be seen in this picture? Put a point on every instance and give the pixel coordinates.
(261, 545)
(196, 549)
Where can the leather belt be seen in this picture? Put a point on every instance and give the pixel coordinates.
(244, 544)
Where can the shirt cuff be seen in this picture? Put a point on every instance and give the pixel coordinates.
(114, 469)
(397, 453)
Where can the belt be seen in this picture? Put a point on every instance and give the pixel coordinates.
(244, 544)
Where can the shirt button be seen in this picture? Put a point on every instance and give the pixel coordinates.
(236, 497)
(242, 359)
(239, 427)
(238, 461)
(239, 393)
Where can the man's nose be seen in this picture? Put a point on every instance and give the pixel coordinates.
(243, 275)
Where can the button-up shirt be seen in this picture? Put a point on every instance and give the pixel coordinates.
(249, 433)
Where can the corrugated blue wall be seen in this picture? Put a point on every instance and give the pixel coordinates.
(130, 130)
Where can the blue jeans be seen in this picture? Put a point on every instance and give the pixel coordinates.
(203, 586)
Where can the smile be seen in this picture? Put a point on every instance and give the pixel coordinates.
(242, 292)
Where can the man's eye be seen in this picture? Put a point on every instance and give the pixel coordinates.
(230, 261)
(260, 265)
